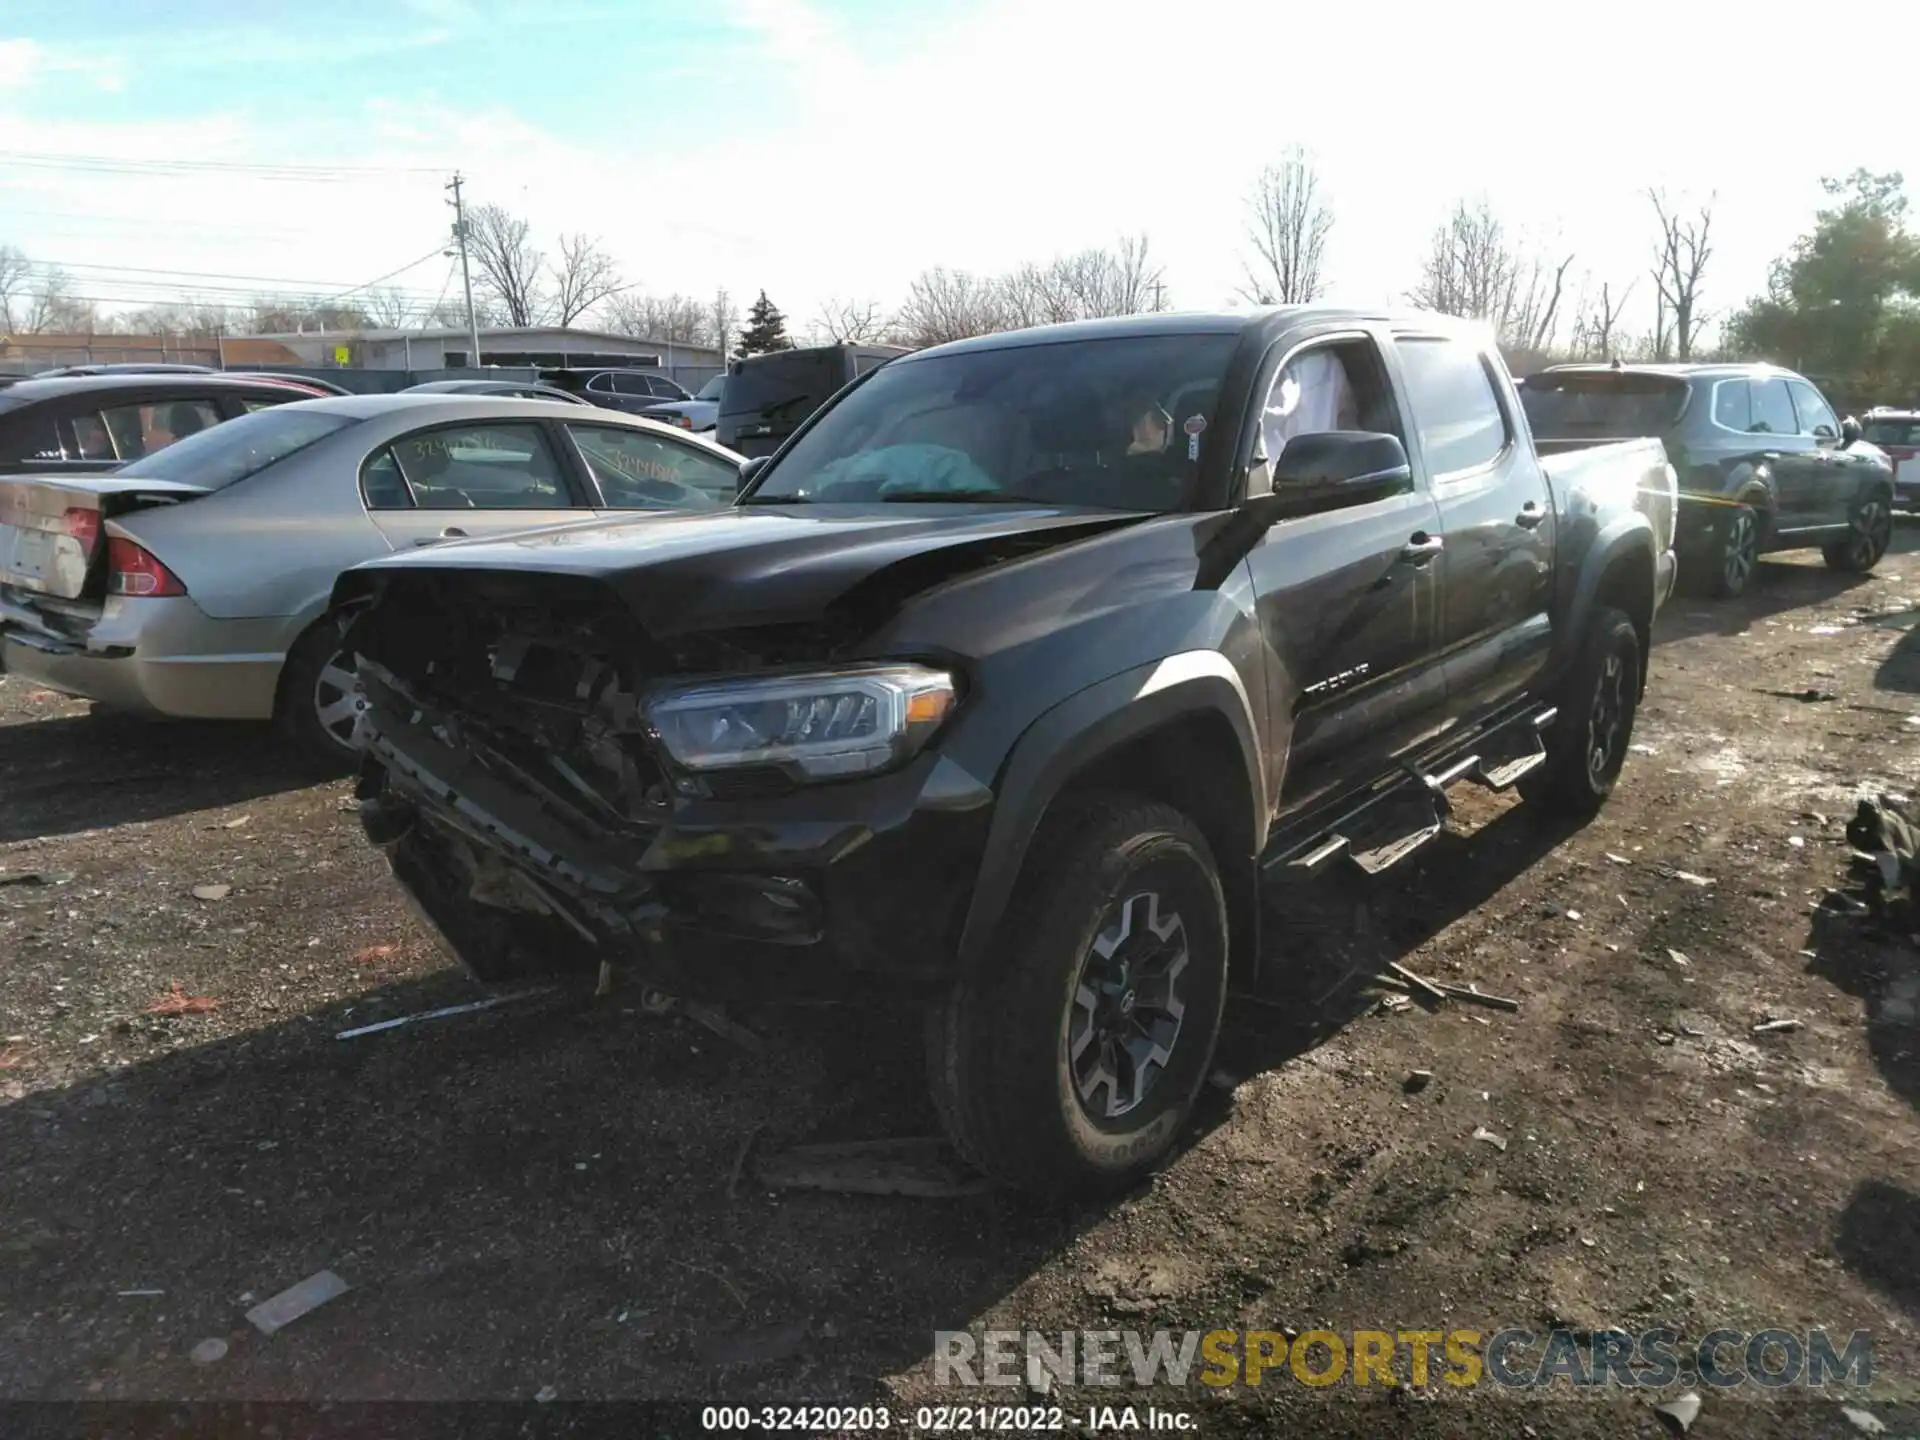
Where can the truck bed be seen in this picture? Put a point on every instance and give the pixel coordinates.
(1577, 467)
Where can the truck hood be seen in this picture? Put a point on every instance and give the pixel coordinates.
(754, 565)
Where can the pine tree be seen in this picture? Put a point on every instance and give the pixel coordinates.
(766, 329)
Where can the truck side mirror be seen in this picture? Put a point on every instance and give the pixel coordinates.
(1336, 468)
(1850, 432)
(749, 469)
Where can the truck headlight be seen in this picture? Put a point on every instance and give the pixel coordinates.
(824, 725)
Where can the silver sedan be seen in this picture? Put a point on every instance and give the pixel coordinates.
(195, 582)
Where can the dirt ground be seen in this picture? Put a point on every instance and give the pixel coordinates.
(547, 1194)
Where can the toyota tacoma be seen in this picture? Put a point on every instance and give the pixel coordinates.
(1006, 684)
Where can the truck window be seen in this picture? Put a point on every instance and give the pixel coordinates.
(1341, 385)
(1816, 416)
(1455, 408)
(1602, 404)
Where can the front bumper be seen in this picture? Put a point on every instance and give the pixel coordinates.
(830, 892)
(158, 656)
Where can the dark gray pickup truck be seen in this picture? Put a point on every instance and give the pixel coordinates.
(1006, 683)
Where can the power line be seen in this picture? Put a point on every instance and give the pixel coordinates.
(112, 273)
(119, 165)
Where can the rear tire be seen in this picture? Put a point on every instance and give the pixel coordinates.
(1068, 1064)
(1869, 533)
(1736, 553)
(1587, 744)
(317, 704)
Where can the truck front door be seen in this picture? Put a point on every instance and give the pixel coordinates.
(1495, 624)
(1347, 597)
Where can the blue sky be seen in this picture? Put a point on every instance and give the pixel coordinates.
(835, 149)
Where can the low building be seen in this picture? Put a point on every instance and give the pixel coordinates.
(24, 354)
(538, 347)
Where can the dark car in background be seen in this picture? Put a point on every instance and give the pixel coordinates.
(768, 397)
(633, 389)
(1764, 462)
(701, 414)
(81, 424)
(125, 367)
(1897, 432)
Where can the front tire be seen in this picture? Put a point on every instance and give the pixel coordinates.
(1067, 1066)
(1869, 533)
(1587, 744)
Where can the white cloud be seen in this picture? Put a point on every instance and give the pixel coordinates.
(19, 59)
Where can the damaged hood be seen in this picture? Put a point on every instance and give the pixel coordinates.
(750, 565)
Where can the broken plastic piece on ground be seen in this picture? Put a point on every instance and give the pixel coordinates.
(1776, 1027)
(1416, 1081)
(212, 892)
(1680, 1412)
(1865, 1421)
(443, 1012)
(36, 877)
(1487, 1137)
(279, 1311)
(658, 1002)
(926, 1168)
(177, 1002)
(373, 954)
(209, 1351)
(1393, 1002)
(1687, 875)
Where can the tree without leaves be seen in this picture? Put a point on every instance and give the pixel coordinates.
(945, 305)
(15, 274)
(1680, 259)
(726, 322)
(670, 319)
(1472, 271)
(1289, 228)
(498, 243)
(1596, 326)
(389, 308)
(766, 329)
(850, 322)
(584, 277)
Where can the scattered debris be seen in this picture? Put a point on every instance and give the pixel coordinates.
(130, 1294)
(1687, 875)
(1680, 1412)
(1473, 995)
(1663, 1037)
(1419, 985)
(1865, 1421)
(658, 1002)
(1841, 903)
(1221, 1080)
(212, 892)
(545, 1395)
(1393, 1002)
(926, 1168)
(1679, 958)
(208, 1352)
(1416, 1081)
(1617, 859)
(1643, 750)
(279, 1311)
(1808, 696)
(1824, 629)
(443, 1012)
(37, 877)
(1573, 914)
(13, 1057)
(1798, 842)
(1777, 1027)
(233, 824)
(1487, 1137)
(603, 986)
(177, 1002)
(374, 954)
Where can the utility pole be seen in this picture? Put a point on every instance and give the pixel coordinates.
(1158, 303)
(466, 276)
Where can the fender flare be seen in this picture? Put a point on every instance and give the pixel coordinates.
(1074, 734)
(1624, 535)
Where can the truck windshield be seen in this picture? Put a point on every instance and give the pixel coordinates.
(1612, 404)
(219, 456)
(1114, 424)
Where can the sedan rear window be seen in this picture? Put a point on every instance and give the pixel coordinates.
(217, 457)
(1607, 405)
(1894, 432)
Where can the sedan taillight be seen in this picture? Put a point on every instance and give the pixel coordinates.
(132, 570)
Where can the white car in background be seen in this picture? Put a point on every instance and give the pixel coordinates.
(1898, 433)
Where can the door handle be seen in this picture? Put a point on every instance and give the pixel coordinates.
(1530, 515)
(452, 532)
(1421, 548)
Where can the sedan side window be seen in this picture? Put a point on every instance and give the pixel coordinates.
(1455, 408)
(1772, 409)
(631, 384)
(91, 440)
(1816, 416)
(637, 471)
(482, 467)
(382, 486)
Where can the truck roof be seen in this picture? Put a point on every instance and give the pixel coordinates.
(1275, 319)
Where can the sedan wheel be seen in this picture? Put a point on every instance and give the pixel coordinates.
(337, 701)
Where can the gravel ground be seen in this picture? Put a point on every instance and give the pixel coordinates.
(547, 1194)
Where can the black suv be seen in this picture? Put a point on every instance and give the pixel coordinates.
(1764, 463)
(768, 397)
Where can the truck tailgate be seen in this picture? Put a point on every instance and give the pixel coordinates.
(1617, 468)
(52, 528)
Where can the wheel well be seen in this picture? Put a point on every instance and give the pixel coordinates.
(1627, 584)
(1194, 764)
(280, 682)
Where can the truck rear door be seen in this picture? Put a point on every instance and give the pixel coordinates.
(1496, 512)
